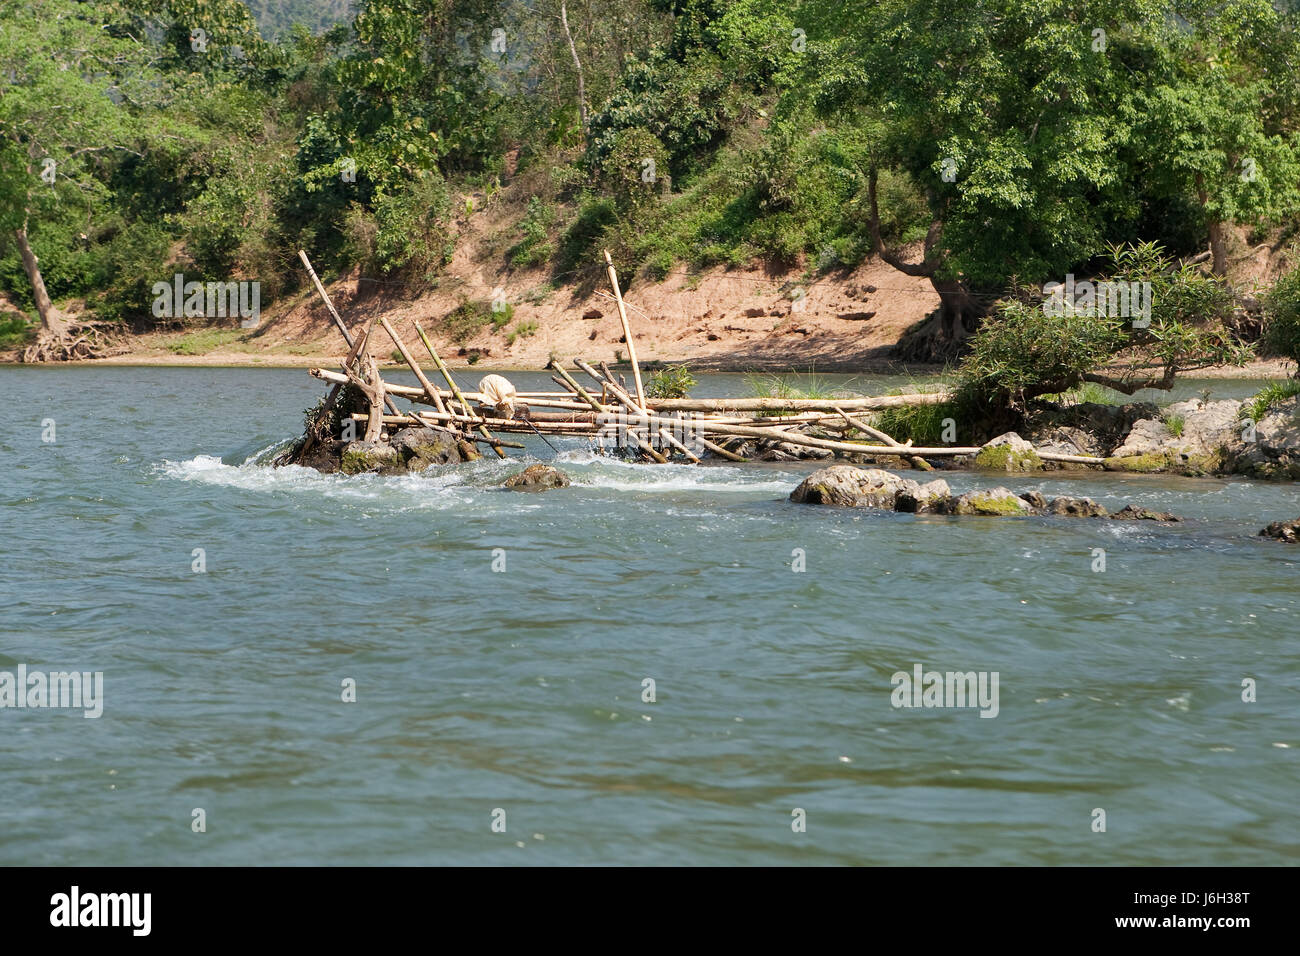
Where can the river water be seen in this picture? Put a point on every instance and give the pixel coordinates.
(517, 697)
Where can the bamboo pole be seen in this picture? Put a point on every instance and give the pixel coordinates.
(302, 254)
(795, 404)
(451, 382)
(419, 372)
(627, 332)
(415, 419)
(497, 424)
(578, 389)
(375, 421)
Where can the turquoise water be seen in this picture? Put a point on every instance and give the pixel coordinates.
(522, 690)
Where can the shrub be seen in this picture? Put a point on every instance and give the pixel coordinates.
(675, 381)
(1024, 351)
(1282, 319)
(15, 332)
(533, 249)
(406, 231)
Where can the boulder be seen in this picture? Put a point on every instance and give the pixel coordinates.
(847, 486)
(1034, 499)
(1134, 513)
(923, 499)
(1188, 438)
(1008, 452)
(538, 478)
(1288, 531)
(1271, 450)
(992, 502)
(1076, 508)
(421, 447)
(359, 457)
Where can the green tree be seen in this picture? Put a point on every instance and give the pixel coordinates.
(63, 75)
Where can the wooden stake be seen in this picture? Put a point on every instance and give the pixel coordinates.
(627, 332)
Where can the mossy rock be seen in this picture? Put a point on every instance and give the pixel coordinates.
(993, 503)
(1006, 458)
(360, 457)
(538, 478)
(1141, 464)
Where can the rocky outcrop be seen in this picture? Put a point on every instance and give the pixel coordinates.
(1134, 513)
(1288, 531)
(537, 478)
(847, 486)
(1088, 428)
(1270, 451)
(410, 450)
(359, 457)
(922, 499)
(427, 446)
(1191, 438)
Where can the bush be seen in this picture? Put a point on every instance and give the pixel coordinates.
(1023, 351)
(675, 381)
(1282, 319)
(533, 249)
(594, 215)
(406, 232)
(466, 320)
(15, 332)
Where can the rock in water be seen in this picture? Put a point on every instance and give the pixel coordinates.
(369, 456)
(538, 478)
(1288, 531)
(1008, 452)
(845, 486)
(421, 447)
(1134, 513)
(993, 502)
(1076, 508)
(923, 499)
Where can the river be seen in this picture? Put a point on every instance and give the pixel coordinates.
(504, 716)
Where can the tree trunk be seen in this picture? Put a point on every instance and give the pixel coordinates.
(1218, 248)
(577, 65)
(943, 336)
(51, 320)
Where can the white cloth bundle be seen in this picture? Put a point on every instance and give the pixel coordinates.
(499, 393)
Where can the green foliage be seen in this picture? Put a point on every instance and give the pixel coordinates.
(1270, 396)
(1175, 424)
(1027, 350)
(467, 320)
(923, 424)
(1282, 318)
(675, 381)
(594, 215)
(534, 248)
(522, 329)
(407, 232)
(15, 332)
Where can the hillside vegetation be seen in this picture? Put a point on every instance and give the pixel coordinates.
(989, 149)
